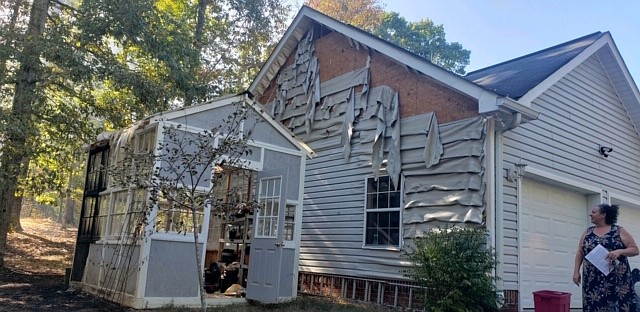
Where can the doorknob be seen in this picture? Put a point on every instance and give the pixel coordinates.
(278, 244)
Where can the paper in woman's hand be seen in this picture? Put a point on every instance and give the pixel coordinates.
(598, 257)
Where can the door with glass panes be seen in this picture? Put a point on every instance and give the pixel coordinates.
(272, 263)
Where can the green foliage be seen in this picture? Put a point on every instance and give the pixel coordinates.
(454, 267)
(364, 14)
(426, 39)
(423, 37)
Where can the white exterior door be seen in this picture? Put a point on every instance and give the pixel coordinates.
(552, 222)
(266, 258)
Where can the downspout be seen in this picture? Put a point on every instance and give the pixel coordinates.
(499, 194)
(499, 213)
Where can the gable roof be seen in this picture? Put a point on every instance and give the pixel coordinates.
(515, 77)
(527, 77)
(488, 101)
(229, 100)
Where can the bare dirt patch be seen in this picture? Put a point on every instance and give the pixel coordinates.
(34, 277)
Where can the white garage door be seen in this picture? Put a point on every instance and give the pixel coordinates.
(629, 218)
(552, 222)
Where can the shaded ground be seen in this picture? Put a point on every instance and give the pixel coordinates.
(37, 258)
(25, 291)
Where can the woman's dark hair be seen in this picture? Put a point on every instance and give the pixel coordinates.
(611, 213)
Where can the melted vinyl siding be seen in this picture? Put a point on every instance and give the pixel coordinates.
(354, 128)
(579, 113)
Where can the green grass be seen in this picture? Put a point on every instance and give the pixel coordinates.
(302, 303)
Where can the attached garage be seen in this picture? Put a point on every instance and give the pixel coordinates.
(552, 221)
(630, 219)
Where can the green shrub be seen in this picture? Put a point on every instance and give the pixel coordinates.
(454, 266)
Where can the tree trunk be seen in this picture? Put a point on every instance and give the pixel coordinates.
(15, 214)
(21, 127)
(70, 207)
(10, 38)
(61, 210)
(194, 215)
(68, 216)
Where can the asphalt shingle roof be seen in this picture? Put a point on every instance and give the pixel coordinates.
(516, 77)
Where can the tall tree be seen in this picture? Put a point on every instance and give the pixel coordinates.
(94, 65)
(426, 39)
(423, 37)
(365, 14)
(21, 121)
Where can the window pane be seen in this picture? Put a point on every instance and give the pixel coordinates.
(270, 185)
(288, 231)
(263, 189)
(276, 189)
(383, 200)
(274, 226)
(372, 237)
(394, 199)
(372, 201)
(372, 186)
(383, 183)
(372, 219)
(394, 219)
(383, 219)
(260, 231)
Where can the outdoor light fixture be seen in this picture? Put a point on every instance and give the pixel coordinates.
(605, 150)
(516, 172)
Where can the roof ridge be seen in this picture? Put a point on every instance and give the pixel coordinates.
(537, 52)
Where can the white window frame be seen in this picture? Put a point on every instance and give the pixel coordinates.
(109, 194)
(398, 209)
(273, 216)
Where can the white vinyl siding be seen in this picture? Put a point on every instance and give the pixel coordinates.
(578, 114)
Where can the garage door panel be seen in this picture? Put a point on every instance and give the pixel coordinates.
(629, 219)
(552, 221)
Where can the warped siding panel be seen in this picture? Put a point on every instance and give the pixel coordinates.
(579, 113)
(325, 106)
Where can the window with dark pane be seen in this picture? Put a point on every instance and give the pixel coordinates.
(382, 212)
(91, 213)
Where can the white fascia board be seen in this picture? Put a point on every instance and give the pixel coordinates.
(190, 110)
(516, 106)
(567, 182)
(623, 66)
(563, 71)
(626, 199)
(634, 114)
(278, 49)
(281, 129)
(400, 55)
(162, 117)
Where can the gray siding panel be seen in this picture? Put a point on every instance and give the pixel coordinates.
(112, 278)
(579, 113)
(172, 270)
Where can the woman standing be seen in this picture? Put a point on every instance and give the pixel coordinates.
(612, 292)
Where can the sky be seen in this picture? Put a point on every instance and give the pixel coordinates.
(499, 30)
